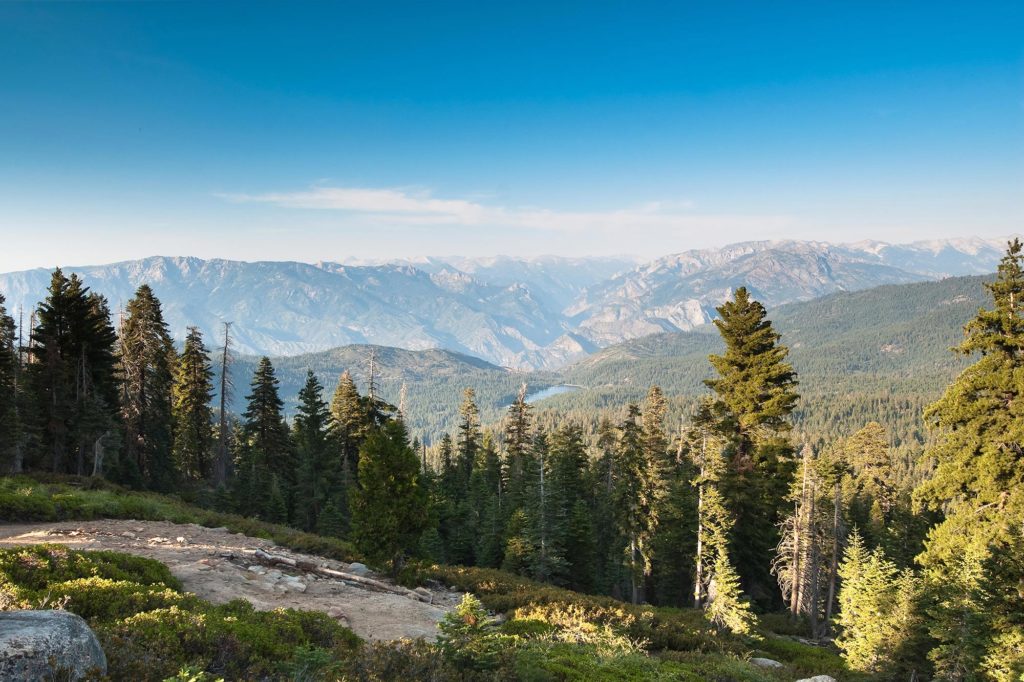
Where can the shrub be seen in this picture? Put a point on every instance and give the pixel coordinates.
(151, 631)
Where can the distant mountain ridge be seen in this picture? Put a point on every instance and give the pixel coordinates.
(524, 313)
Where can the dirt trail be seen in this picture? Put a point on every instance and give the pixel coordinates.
(218, 566)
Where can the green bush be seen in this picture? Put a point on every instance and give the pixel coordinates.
(152, 631)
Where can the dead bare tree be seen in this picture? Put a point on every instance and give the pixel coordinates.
(220, 468)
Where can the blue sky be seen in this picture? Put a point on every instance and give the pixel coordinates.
(330, 131)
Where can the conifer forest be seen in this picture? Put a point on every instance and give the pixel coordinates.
(909, 568)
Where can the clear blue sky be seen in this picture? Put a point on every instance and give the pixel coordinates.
(310, 131)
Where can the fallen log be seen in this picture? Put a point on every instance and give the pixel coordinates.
(268, 559)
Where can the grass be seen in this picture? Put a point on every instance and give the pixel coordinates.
(152, 630)
(24, 498)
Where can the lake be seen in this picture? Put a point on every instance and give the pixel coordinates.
(550, 392)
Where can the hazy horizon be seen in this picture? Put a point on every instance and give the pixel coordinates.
(314, 132)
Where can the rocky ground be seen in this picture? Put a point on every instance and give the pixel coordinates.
(219, 566)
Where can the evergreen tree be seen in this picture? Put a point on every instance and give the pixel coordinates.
(609, 543)
(970, 566)
(147, 364)
(389, 507)
(351, 424)
(10, 421)
(485, 493)
(193, 416)
(637, 490)
(756, 389)
(726, 606)
(318, 475)
(717, 587)
(518, 434)
(467, 442)
(569, 517)
(878, 618)
(72, 380)
(265, 452)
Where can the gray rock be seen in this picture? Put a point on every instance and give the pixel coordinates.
(765, 663)
(358, 569)
(31, 640)
(818, 678)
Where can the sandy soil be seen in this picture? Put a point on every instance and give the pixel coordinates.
(218, 566)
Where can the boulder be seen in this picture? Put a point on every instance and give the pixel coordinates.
(765, 663)
(818, 678)
(37, 645)
(358, 569)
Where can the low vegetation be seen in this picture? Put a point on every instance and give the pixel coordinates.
(61, 498)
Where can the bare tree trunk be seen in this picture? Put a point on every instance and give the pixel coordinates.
(220, 469)
(97, 455)
(698, 583)
(634, 588)
(834, 568)
(813, 556)
(800, 530)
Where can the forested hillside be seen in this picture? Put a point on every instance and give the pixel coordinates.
(875, 355)
(902, 552)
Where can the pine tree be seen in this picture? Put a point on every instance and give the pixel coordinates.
(351, 424)
(147, 364)
(193, 416)
(609, 543)
(10, 421)
(518, 435)
(72, 380)
(717, 587)
(318, 475)
(265, 451)
(756, 389)
(878, 618)
(467, 441)
(389, 507)
(485, 494)
(569, 525)
(637, 490)
(978, 483)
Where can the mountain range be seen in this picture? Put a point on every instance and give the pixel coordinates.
(539, 313)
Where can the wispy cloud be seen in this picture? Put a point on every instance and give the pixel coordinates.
(397, 206)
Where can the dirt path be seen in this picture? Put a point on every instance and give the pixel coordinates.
(218, 566)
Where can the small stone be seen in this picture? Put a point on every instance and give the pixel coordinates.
(181, 540)
(765, 663)
(128, 534)
(818, 678)
(139, 529)
(358, 569)
(204, 567)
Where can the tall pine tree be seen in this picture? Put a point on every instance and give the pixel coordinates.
(193, 416)
(147, 365)
(972, 560)
(756, 388)
(10, 421)
(319, 473)
(389, 507)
